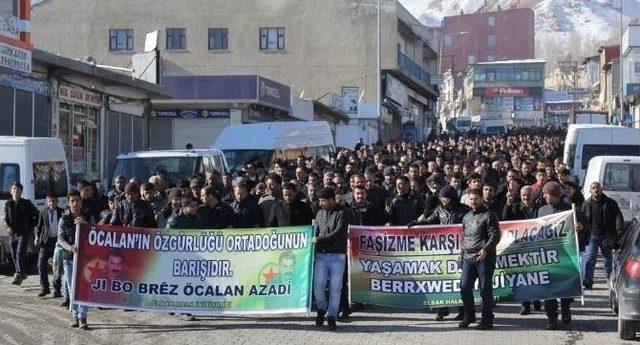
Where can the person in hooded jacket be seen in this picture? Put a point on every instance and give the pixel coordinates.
(450, 211)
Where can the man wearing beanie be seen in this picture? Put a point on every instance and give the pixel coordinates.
(330, 239)
(133, 211)
(450, 211)
(552, 194)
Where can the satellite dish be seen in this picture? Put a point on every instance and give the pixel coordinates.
(151, 41)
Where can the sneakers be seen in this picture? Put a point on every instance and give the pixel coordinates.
(83, 324)
(552, 324)
(484, 325)
(57, 294)
(320, 318)
(18, 279)
(187, 317)
(65, 303)
(44, 292)
(331, 323)
(75, 323)
(566, 315)
(525, 310)
(587, 284)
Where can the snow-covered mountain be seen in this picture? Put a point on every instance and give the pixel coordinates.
(592, 20)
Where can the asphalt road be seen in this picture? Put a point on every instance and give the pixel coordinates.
(27, 319)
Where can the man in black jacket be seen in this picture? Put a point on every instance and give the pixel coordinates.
(480, 236)
(406, 206)
(20, 216)
(330, 239)
(213, 213)
(289, 211)
(133, 211)
(46, 237)
(364, 211)
(552, 193)
(248, 213)
(187, 218)
(450, 211)
(604, 219)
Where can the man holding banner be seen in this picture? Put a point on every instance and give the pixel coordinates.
(480, 236)
(552, 193)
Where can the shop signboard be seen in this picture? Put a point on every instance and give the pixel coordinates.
(191, 113)
(506, 91)
(79, 95)
(15, 58)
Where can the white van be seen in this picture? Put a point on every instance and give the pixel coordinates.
(620, 180)
(178, 164)
(584, 142)
(40, 165)
(267, 141)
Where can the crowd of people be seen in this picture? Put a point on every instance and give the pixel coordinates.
(476, 181)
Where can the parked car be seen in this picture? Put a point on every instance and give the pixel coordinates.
(624, 283)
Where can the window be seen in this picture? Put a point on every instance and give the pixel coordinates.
(9, 173)
(120, 39)
(176, 167)
(471, 59)
(590, 151)
(621, 177)
(176, 38)
(9, 13)
(50, 177)
(491, 40)
(491, 21)
(272, 39)
(79, 128)
(218, 39)
(447, 40)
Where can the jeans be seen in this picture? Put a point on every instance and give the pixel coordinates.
(591, 255)
(19, 245)
(328, 265)
(581, 265)
(58, 271)
(77, 310)
(473, 269)
(44, 254)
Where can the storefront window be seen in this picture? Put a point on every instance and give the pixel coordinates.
(79, 130)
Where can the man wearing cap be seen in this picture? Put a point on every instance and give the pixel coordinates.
(194, 186)
(330, 239)
(133, 211)
(450, 211)
(20, 216)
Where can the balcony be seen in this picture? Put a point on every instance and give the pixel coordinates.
(413, 69)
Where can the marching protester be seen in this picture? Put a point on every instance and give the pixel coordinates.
(552, 193)
(45, 239)
(604, 220)
(331, 254)
(450, 211)
(71, 218)
(20, 216)
(133, 211)
(480, 236)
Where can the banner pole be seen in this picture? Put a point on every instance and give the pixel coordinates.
(575, 222)
(74, 272)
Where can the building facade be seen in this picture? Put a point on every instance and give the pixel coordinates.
(314, 47)
(510, 90)
(487, 36)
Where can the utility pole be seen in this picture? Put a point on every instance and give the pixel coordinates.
(570, 70)
(379, 83)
